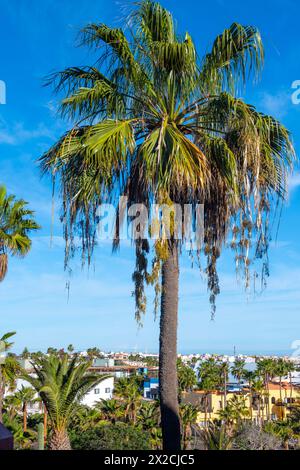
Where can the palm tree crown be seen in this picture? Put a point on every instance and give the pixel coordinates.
(61, 383)
(16, 221)
(156, 123)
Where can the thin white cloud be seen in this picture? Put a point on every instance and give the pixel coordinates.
(277, 104)
(294, 181)
(17, 133)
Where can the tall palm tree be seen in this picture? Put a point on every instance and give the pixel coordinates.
(186, 377)
(258, 390)
(61, 383)
(16, 222)
(281, 370)
(158, 125)
(9, 367)
(209, 379)
(224, 369)
(250, 377)
(238, 369)
(266, 368)
(290, 367)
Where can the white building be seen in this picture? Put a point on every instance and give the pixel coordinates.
(102, 391)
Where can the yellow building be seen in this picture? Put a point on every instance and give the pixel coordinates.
(273, 404)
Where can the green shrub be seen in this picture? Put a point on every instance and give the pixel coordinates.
(119, 436)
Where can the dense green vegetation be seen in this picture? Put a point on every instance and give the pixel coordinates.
(127, 421)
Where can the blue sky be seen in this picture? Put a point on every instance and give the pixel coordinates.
(37, 38)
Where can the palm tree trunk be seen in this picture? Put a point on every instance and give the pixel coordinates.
(268, 395)
(250, 402)
(205, 412)
(45, 426)
(280, 388)
(60, 440)
(225, 390)
(25, 417)
(168, 353)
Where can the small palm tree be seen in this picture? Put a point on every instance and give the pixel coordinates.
(26, 396)
(149, 418)
(61, 384)
(283, 430)
(216, 437)
(11, 406)
(186, 377)
(129, 391)
(16, 222)
(9, 368)
(238, 369)
(70, 348)
(235, 411)
(83, 418)
(25, 353)
(110, 410)
(188, 417)
(22, 440)
(93, 353)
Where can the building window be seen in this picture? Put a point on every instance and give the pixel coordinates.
(107, 390)
(273, 400)
(97, 391)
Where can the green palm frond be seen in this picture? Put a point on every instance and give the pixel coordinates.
(154, 23)
(73, 78)
(235, 52)
(91, 101)
(110, 140)
(61, 383)
(179, 57)
(16, 223)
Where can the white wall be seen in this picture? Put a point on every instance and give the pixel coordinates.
(101, 391)
(104, 389)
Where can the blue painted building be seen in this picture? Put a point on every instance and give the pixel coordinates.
(151, 388)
